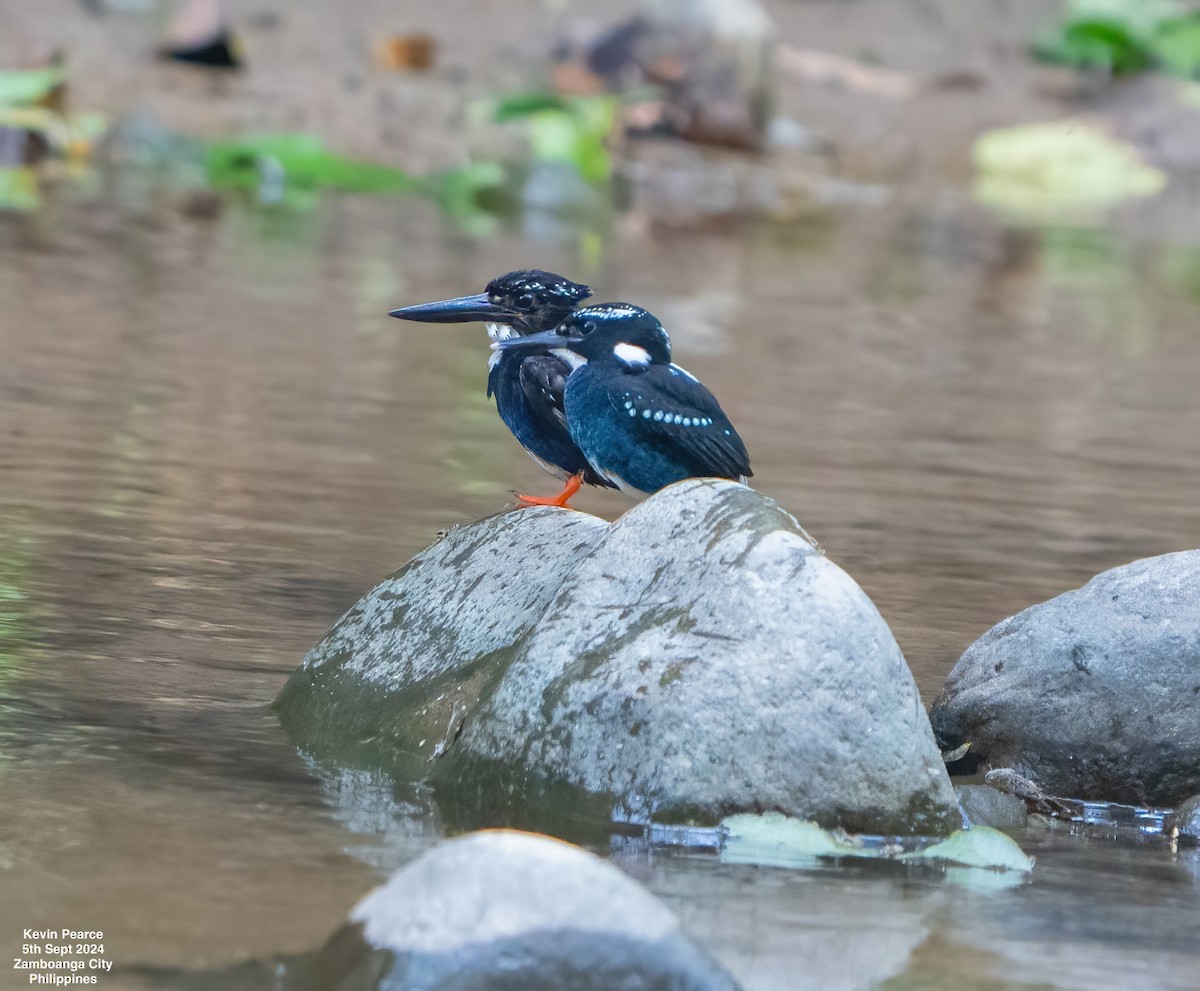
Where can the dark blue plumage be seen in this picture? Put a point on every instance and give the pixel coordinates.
(528, 385)
(641, 421)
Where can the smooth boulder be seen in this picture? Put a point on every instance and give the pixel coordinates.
(1094, 694)
(408, 662)
(511, 911)
(706, 659)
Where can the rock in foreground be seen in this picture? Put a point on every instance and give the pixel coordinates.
(512, 911)
(1093, 694)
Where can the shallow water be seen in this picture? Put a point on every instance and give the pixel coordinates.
(212, 440)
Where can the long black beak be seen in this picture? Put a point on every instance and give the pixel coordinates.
(546, 339)
(461, 310)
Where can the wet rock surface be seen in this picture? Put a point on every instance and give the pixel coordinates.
(706, 659)
(1093, 694)
(411, 658)
(513, 911)
(985, 806)
(1185, 820)
(697, 658)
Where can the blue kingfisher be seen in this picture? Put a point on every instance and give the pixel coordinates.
(528, 385)
(642, 421)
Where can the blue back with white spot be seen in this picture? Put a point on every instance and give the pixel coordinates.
(648, 427)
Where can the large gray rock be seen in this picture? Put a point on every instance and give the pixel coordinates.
(1094, 694)
(409, 661)
(706, 659)
(510, 911)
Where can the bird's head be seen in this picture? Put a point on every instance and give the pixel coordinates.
(608, 332)
(528, 301)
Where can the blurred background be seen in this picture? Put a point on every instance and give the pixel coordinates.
(939, 260)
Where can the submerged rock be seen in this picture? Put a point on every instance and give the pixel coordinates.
(1093, 694)
(512, 911)
(983, 805)
(706, 659)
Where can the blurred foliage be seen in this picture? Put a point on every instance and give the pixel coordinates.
(19, 189)
(38, 134)
(467, 194)
(24, 87)
(1125, 36)
(1177, 46)
(1181, 271)
(290, 169)
(273, 165)
(287, 169)
(1055, 167)
(575, 129)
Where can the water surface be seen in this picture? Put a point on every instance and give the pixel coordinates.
(213, 440)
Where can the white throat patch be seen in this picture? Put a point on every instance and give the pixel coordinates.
(500, 331)
(572, 359)
(631, 355)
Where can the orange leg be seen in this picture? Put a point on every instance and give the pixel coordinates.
(569, 489)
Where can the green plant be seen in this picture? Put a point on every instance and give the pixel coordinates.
(1125, 36)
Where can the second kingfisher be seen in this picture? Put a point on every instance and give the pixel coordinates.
(641, 421)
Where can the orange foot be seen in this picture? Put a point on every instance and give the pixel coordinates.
(560, 500)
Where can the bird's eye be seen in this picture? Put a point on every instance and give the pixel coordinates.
(525, 301)
(588, 327)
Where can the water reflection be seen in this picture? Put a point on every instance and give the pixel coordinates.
(212, 440)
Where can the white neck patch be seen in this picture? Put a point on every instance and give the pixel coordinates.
(500, 331)
(572, 359)
(631, 355)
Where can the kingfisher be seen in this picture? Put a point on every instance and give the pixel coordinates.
(641, 421)
(528, 385)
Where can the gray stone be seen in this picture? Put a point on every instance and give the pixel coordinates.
(511, 911)
(409, 660)
(985, 806)
(706, 659)
(1185, 820)
(1093, 694)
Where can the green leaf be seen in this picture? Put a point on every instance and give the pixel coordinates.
(1096, 44)
(527, 104)
(776, 840)
(566, 129)
(460, 193)
(1139, 17)
(780, 841)
(978, 847)
(577, 136)
(19, 190)
(1125, 36)
(29, 85)
(269, 162)
(1176, 47)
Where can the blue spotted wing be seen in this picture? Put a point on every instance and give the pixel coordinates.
(666, 405)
